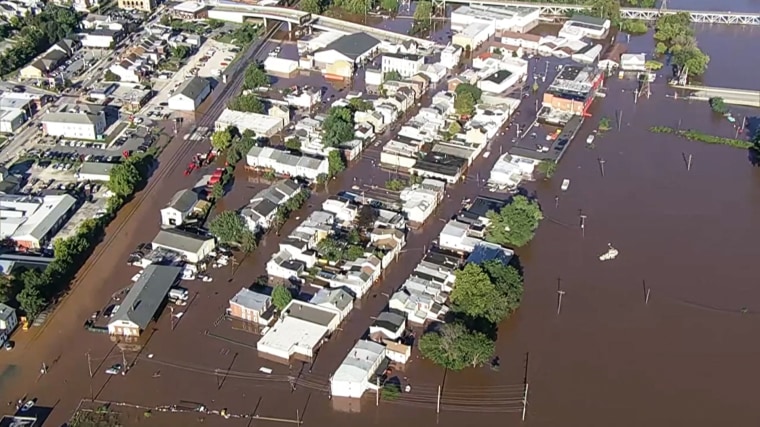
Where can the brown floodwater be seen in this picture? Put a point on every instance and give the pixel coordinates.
(608, 358)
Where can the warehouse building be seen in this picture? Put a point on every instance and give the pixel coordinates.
(338, 59)
(284, 163)
(190, 94)
(263, 125)
(191, 247)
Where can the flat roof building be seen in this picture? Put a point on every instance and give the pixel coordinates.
(353, 376)
(573, 89)
(262, 125)
(299, 332)
(31, 221)
(192, 247)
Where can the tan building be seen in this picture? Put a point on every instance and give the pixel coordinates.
(252, 307)
(142, 5)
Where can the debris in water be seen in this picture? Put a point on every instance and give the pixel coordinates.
(611, 253)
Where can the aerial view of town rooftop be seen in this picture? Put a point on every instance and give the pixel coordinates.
(355, 212)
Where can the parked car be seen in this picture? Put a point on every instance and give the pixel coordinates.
(115, 369)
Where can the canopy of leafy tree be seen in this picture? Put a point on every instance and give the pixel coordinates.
(515, 224)
(454, 347)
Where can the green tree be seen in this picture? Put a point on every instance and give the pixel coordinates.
(718, 105)
(330, 249)
(357, 7)
(390, 391)
(389, 5)
(222, 139)
(423, 11)
(123, 179)
(293, 144)
(454, 347)
(335, 163)
(547, 168)
(395, 184)
(338, 127)
(217, 191)
(633, 26)
(30, 300)
(110, 76)
(476, 296)
(507, 280)
(255, 77)
(473, 90)
(7, 288)
(693, 59)
(247, 103)
(367, 217)
(358, 104)
(515, 224)
(353, 252)
(281, 297)
(608, 9)
(180, 51)
(392, 76)
(312, 6)
(464, 104)
(228, 227)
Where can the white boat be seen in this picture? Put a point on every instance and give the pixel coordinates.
(611, 254)
(565, 184)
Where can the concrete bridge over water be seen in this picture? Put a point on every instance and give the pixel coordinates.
(748, 98)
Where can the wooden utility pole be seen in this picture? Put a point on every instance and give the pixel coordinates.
(560, 292)
(89, 364)
(525, 399)
(124, 362)
(438, 403)
(688, 164)
(601, 165)
(377, 395)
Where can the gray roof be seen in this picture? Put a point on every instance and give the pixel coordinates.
(262, 208)
(591, 20)
(183, 200)
(180, 240)
(279, 191)
(192, 87)
(147, 295)
(251, 300)
(310, 313)
(96, 168)
(353, 45)
(6, 312)
(390, 321)
(41, 229)
(338, 298)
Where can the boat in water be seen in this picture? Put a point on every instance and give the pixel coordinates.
(611, 253)
(565, 184)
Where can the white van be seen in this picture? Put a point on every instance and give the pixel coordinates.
(179, 294)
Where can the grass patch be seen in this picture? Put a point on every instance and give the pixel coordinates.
(694, 135)
(101, 417)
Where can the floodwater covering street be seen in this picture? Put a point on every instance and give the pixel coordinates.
(684, 355)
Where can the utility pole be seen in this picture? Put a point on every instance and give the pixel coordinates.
(123, 362)
(525, 396)
(620, 120)
(377, 395)
(89, 364)
(688, 164)
(556, 202)
(601, 165)
(438, 403)
(559, 305)
(583, 225)
(171, 317)
(646, 292)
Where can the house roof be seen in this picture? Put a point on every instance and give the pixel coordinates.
(251, 300)
(46, 215)
(389, 321)
(183, 200)
(309, 312)
(6, 312)
(260, 208)
(337, 297)
(353, 45)
(96, 168)
(358, 366)
(147, 295)
(179, 240)
(499, 76)
(192, 87)
(488, 251)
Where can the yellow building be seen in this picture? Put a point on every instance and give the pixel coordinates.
(142, 5)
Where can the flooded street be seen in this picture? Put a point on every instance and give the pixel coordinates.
(610, 357)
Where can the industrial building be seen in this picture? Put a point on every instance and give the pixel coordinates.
(81, 121)
(284, 163)
(508, 18)
(263, 125)
(31, 222)
(190, 94)
(338, 59)
(581, 26)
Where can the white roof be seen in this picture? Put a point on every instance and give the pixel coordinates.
(261, 124)
(24, 217)
(293, 332)
(360, 363)
(190, 6)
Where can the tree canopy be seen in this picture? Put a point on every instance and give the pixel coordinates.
(222, 139)
(293, 144)
(123, 179)
(357, 7)
(338, 127)
(476, 296)
(455, 347)
(389, 5)
(359, 104)
(423, 11)
(515, 224)
(230, 228)
(467, 97)
(247, 103)
(392, 75)
(312, 6)
(255, 77)
(718, 105)
(367, 217)
(335, 163)
(281, 297)
(674, 35)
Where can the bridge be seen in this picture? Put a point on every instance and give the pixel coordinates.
(554, 9)
(240, 11)
(749, 98)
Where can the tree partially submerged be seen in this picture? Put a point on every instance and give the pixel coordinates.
(230, 228)
(281, 297)
(455, 347)
(515, 224)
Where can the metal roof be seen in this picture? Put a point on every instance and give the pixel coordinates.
(147, 295)
(353, 45)
(251, 300)
(192, 87)
(180, 240)
(183, 200)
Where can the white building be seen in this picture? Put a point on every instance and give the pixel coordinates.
(418, 202)
(507, 18)
(633, 62)
(8, 322)
(191, 247)
(301, 329)
(581, 26)
(337, 299)
(101, 38)
(262, 125)
(75, 122)
(473, 35)
(282, 162)
(499, 81)
(450, 56)
(588, 55)
(263, 207)
(278, 65)
(404, 64)
(180, 207)
(304, 98)
(343, 209)
(373, 77)
(455, 236)
(388, 325)
(353, 376)
(95, 171)
(190, 94)
(399, 154)
(31, 222)
(435, 72)
(525, 41)
(510, 170)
